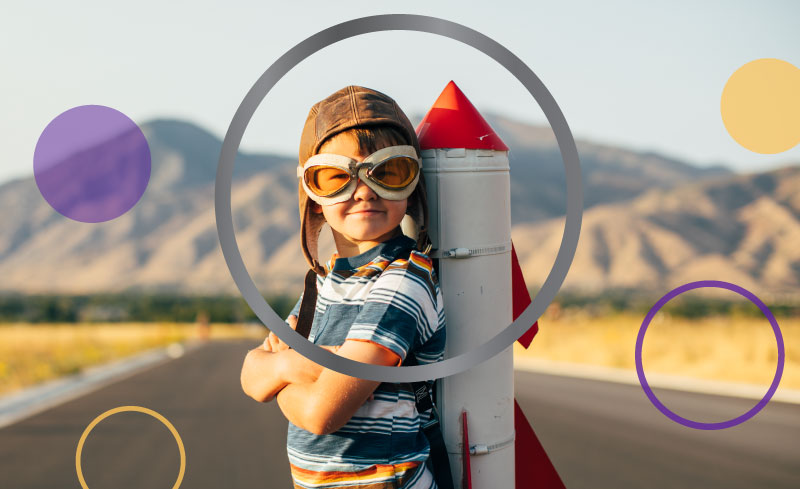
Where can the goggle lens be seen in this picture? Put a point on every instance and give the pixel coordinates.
(326, 180)
(395, 173)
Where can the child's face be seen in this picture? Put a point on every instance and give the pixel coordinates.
(358, 230)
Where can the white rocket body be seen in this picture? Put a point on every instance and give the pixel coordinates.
(470, 227)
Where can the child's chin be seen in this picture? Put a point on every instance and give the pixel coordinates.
(368, 234)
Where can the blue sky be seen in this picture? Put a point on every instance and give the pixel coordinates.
(642, 75)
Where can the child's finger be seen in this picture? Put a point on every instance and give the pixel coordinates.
(278, 344)
(274, 341)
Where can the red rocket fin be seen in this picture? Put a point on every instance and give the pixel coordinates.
(532, 467)
(520, 298)
(453, 122)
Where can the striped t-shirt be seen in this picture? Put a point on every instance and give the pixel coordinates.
(388, 295)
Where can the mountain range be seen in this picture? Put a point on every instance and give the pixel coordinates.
(650, 222)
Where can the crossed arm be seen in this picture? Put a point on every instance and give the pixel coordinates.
(314, 398)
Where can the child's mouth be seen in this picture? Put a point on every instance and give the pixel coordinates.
(366, 212)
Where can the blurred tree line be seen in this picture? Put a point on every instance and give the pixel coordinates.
(133, 307)
(684, 306)
(233, 309)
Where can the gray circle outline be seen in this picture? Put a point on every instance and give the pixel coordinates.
(353, 28)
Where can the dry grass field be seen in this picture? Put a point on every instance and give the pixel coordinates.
(32, 353)
(731, 349)
(738, 349)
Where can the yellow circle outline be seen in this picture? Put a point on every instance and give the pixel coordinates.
(130, 409)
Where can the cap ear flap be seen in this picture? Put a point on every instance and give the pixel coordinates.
(310, 227)
(418, 211)
(409, 226)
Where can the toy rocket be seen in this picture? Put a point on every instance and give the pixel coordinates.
(466, 171)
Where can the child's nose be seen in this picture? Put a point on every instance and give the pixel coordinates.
(363, 192)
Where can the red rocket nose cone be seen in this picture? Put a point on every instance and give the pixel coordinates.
(453, 122)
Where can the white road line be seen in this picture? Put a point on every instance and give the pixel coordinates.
(625, 376)
(32, 400)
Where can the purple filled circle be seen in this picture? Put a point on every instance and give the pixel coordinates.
(723, 424)
(92, 163)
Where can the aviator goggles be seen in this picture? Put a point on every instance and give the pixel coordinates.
(391, 172)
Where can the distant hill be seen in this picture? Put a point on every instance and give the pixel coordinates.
(641, 207)
(168, 241)
(743, 229)
(610, 174)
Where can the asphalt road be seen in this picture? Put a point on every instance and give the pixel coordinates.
(606, 435)
(231, 441)
(598, 435)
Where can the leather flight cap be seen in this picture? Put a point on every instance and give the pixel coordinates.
(348, 108)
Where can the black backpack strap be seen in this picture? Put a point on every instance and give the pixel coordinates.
(307, 306)
(440, 462)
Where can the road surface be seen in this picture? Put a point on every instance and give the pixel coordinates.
(598, 434)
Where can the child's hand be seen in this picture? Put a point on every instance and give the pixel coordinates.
(273, 343)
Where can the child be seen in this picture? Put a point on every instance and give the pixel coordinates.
(378, 302)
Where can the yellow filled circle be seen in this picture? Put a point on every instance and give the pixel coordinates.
(130, 409)
(760, 106)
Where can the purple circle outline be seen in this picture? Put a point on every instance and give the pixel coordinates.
(640, 342)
